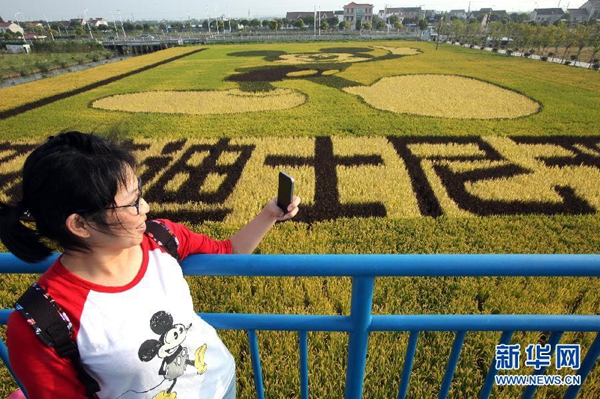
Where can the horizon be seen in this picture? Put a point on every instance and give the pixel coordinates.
(129, 10)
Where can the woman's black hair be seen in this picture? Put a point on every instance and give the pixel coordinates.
(72, 172)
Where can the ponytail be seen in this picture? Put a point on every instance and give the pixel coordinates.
(22, 241)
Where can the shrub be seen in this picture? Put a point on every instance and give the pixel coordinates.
(495, 49)
(573, 57)
(550, 54)
(509, 52)
(544, 58)
(596, 66)
(567, 62)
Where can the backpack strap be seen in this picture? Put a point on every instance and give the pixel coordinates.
(164, 237)
(53, 328)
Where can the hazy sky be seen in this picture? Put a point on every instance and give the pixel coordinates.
(190, 9)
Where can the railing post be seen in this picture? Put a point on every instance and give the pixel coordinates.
(360, 313)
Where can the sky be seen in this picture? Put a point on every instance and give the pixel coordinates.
(183, 10)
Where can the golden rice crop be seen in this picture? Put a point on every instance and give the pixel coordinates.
(33, 91)
(317, 58)
(308, 72)
(401, 50)
(445, 96)
(202, 102)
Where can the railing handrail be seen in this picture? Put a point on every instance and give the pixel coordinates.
(443, 265)
(361, 321)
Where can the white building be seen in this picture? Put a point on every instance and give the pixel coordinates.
(12, 27)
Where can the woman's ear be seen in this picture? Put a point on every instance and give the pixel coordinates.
(77, 225)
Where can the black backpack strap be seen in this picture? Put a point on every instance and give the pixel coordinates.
(53, 328)
(163, 237)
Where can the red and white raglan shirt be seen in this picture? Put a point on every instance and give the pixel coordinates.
(141, 340)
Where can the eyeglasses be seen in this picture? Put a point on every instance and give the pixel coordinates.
(136, 204)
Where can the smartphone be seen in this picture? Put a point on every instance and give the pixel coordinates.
(285, 193)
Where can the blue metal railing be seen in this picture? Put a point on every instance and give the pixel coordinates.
(364, 269)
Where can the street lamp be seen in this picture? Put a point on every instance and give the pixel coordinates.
(115, 24)
(49, 29)
(85, 19)
(17, 19)
(122, 28)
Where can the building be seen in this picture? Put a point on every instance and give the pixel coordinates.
(97, 22)
(292, 16)
(591, 6)
(12, 27)
(549, 15)
(34, 36)
(78, 21)
(402, 12)
(460, 14)
(578, 15)
(353, 13)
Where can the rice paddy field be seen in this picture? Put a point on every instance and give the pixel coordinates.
(396, 147)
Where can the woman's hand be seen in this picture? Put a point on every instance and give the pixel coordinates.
(275, 211)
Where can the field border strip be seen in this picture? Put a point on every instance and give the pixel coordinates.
(61, 96)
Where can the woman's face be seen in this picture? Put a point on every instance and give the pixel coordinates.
(127, 219)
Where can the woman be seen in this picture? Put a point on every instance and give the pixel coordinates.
(130, 307)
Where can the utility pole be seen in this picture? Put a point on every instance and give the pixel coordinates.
(85, 20)
(115, 24)
(122, 28)
(49, 28)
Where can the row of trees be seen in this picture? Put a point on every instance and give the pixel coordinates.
(74, 28)
(545, 40)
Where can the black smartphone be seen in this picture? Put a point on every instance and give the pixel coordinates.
(285, 193)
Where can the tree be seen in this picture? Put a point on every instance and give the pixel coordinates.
(333, 21)
(378, 23)
(324, 25)
(299, 23)
(274, 24)
(255, 23)
(582, 35)
(366, 26)
(457, 28)
(398, 26)
(422, 25)
(344, 25)
(595, 43)
(309, 20)
(285, 22)
(392, 19)
(358, 25)
(221, 26)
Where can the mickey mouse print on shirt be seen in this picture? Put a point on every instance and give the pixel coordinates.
(169, 347)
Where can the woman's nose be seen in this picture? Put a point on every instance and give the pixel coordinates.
(144, 206)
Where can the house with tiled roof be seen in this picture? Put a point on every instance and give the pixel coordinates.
(354, 12)
(578, 14)
(12, 27)
(292, 16)
(549, 15)
(401, 12)
(97, 22)
(461, 14)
